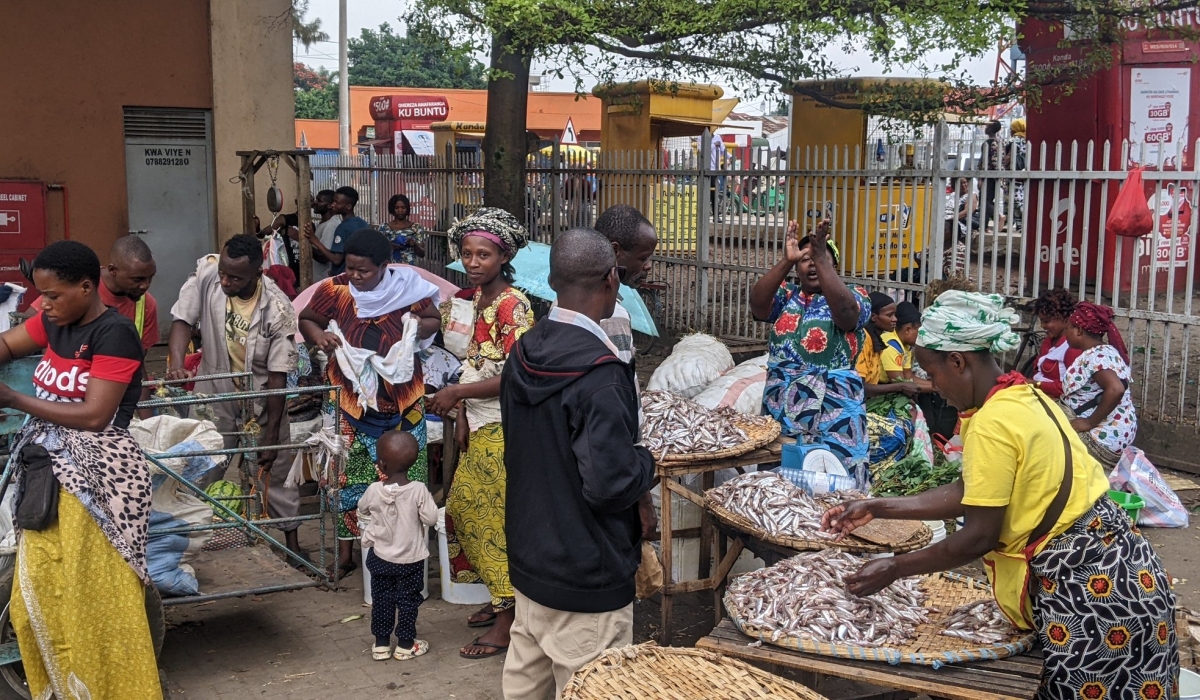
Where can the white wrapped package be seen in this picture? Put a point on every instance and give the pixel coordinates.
(695, 361)
(741, 388)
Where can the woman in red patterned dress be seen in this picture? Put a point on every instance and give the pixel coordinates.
(488, 240)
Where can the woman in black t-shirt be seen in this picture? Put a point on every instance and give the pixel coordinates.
(93, 551)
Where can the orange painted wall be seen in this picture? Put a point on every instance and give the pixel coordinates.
(71, 67)
(548, 112)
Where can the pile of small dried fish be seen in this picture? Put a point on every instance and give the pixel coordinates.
(675, 425)
(774, 504)
(980, 622)
(804, 597)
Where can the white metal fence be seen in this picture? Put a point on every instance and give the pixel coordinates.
(1028, 219)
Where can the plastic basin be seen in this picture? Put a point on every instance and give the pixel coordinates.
(1131, 502)
(1189, 685)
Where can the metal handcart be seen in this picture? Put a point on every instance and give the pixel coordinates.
(249, 567)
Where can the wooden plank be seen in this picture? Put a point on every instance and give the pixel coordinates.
(1015, 677)
(884, 675)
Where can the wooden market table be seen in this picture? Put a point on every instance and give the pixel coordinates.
(668, 479)
(1004, 679)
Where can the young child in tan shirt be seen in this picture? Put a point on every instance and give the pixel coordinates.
(394, 514)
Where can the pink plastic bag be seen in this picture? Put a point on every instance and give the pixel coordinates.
(1135, 474)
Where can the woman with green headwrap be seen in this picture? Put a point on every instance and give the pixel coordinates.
(1063, 559)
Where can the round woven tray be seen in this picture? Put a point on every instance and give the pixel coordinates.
(850, 543)
(649, 672)
(758, 434)
(946, 591)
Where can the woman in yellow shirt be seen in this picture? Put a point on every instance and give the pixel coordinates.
(1063, 559)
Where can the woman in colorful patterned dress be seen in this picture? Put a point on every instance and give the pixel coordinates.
(1063, 559)
(365, 308)
(817, 322)
(1096, 385)
(407, 237)
(486, 241)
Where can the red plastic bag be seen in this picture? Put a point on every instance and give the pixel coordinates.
(1130, 214)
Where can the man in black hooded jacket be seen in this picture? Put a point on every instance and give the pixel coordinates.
(575, 477)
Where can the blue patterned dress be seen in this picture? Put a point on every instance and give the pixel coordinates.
(812, 387)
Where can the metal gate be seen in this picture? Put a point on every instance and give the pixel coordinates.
(1035, 219)
(169, 180)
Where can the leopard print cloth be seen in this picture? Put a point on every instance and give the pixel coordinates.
(108, 474)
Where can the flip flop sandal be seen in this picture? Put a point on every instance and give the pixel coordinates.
(343, 571)
(486, 622)
(498, 650)
(382, 653)
(420, 647)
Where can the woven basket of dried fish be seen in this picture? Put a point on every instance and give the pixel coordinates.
(649, 672)
(801, 604)
(680, 431)
(769, 508)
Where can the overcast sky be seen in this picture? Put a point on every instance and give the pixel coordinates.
(371, 13)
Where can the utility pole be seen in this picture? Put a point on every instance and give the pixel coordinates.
(343, 84)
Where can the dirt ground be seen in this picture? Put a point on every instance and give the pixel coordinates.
(316, 643)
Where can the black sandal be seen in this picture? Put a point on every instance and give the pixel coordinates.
(342, 570)
(498, 650)
(488, 621)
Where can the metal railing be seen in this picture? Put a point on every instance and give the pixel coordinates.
(1033, 218)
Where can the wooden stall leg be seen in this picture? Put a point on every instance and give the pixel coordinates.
(719, 586)
(707, 531)
(664, 527)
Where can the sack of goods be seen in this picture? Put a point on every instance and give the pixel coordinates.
(696, 361)
(741, 388)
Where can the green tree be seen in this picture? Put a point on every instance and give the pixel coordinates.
(774, 44)
(425, 56)
(316, 92)
(304, 31)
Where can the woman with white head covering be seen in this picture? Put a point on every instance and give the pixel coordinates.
(1063, 559)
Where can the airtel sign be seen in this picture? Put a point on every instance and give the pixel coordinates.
(410, 111)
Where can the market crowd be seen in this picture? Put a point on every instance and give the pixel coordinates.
(552, 520)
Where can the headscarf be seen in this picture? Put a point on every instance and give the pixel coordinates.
(1097, 320)
(968, 322)
(492, 223)
(1017, 127)
(880, 301)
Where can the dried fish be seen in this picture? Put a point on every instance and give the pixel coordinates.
(776, 505)
(981, 622)
(804, 597)
(674, 425)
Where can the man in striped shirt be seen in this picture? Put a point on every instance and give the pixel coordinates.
(633, 240)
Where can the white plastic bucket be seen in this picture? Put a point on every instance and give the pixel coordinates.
(456, 593)
(1189, 685)
(366, 581)
(939, 531)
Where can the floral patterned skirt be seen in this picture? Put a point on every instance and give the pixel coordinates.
(360, 473)
(1104, 612)
(476, 506)
(818, 405)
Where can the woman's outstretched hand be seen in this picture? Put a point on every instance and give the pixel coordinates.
(845, 518)
(819, 240)
(792, 246)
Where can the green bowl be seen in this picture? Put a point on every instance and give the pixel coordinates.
(1131, 502)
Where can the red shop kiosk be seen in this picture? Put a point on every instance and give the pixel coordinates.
(402, 129)
(1150, 96)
